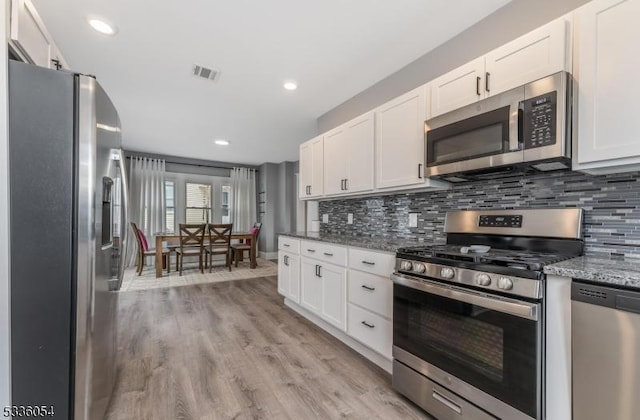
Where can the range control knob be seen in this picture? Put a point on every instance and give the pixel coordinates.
(419, 268)
(447, 273)
(505, 283)
(406, 265)
(483, 280)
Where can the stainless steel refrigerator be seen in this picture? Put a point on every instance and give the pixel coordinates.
(68, 224)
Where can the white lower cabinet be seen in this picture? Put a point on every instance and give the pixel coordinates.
(375, 293)
(289, 275)
(371, 330)
(346, 287)
(324, 291)
(334, 294)
(310, 286)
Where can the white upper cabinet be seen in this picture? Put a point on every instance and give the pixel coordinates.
(606, 66)
(535, 55)
(459, 87)
(360, 153)
(335, 142)
(30, 38)
(348, 151)
(311, 168)
(399, 137)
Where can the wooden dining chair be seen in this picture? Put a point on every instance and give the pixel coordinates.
(219, 243)
(239, 248)
(144, 251)
(191, 244)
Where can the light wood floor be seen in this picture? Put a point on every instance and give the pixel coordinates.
(233, 350)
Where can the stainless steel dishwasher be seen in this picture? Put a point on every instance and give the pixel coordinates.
(606, 352)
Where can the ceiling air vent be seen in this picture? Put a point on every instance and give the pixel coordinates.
(205, 72)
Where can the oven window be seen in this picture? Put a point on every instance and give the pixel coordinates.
(490, 350)
(467, 339)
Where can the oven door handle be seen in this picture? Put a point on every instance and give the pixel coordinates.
(501, 304)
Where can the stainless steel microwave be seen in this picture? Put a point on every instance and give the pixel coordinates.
(522, 129)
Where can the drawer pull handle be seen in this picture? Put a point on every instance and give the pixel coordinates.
(368, 262)
(328, 254)
(371, 289)
(287, 245)
(446, 401)
(366, 324)
(311, 250)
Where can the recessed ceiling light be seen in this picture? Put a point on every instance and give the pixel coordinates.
(290, 85)
(102, 26)
(221, 142)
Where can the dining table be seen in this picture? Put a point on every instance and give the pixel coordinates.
(170, 237)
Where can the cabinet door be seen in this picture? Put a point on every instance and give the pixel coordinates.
(335, 154)
(533, 56)
(29, 33)
(305, 171)
(311, 286)
(400, 140)
(283, 274)
(459, 87)
(359, 152)
(607, 35)
(334, 295)
(293, 265)
(317, 167)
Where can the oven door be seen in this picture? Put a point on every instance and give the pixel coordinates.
(483, 347)
(478, 137)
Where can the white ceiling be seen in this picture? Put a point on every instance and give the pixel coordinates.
(333, 48)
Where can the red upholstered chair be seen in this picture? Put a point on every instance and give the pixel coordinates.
(144, 251)
(238, 249)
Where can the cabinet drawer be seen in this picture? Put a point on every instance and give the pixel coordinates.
(322, 251)
(289, 244)
(374, 262)
(372, 292)
(370, 329)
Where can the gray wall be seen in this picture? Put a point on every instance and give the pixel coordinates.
(5, 336)
(611, 204)
(514, 19)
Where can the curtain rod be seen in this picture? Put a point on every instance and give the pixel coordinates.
(196, 164)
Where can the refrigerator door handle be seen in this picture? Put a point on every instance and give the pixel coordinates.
(124, 232)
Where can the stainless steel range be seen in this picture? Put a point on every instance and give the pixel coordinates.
(470, 317)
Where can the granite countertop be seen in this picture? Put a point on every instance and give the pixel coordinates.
(369, 242)
(603, 270)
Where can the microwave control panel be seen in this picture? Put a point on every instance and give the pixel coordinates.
(539, 125)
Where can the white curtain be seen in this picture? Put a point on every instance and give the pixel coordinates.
(243, 194)
(146, 199)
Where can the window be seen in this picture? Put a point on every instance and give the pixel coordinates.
(170, 206)
(226, 194)
(198, 208)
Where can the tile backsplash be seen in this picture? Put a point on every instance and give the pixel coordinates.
(611, 204)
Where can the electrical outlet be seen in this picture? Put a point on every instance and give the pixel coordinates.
(413, 219)
(350, 218)
(325, 218)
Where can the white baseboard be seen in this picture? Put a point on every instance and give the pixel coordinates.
(268, 255)
(371, 355)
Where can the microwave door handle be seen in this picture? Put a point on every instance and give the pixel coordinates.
(515, 119)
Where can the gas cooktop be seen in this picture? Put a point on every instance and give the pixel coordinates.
(517, 259)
